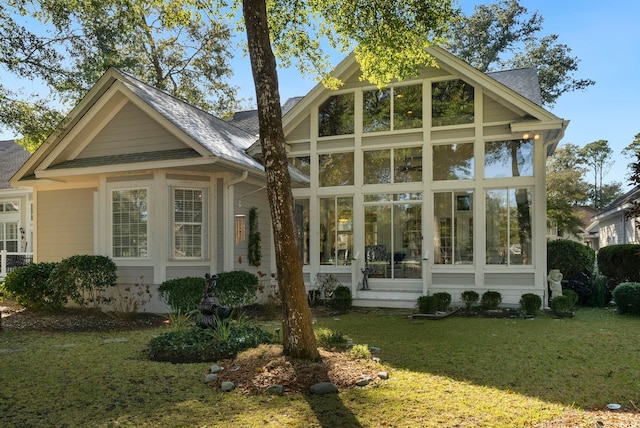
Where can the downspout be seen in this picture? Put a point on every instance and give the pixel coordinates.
(228, 220)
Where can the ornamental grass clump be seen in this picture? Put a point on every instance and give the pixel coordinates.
(327, 338)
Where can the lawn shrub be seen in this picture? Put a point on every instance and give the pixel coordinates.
(469, 298)
(360, 352)
(426, 305)
(327, 338)
(491, 300)
(627, 297)
(571, 258)
(236, 288)
(562, 304)
(88, 276)
(621, 263)
(341, 299)
(442, 301)
(203, 344)
(599, 291)
(31, 287)
(572, 295)
(183, 294)
(530, 304)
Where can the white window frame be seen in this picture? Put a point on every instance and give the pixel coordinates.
(146, 256)
(203, 223)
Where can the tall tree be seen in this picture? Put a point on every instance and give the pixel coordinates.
(390, 37)
(597, 156)
(506, 35)
(178, 46)
(631, 151)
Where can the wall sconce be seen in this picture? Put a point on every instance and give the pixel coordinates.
(530, 135)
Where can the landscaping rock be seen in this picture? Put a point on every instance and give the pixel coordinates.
(364, 381)
(324, 388)
(215, 368)
(376, 359)
(211, 377)
(227, 386)
(276, 389)
(383, 375)
(374, 349)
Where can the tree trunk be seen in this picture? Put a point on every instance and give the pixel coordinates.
(297, 331)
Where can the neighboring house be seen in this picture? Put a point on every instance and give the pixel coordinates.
(613, 227)
(435, 184)
(586, 229)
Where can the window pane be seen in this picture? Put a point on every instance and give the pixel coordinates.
(407, 107)
(377, 167)
(520, 215)
(443, 222)
(336, 225)
(497, 226)
(513, 158)
(453, 216)
(336, 169)
(453, 162)
(451, 103)
(407, 165)
(129, 218)
(335, 116)
(463, 228)
(302, 163)
(377, 228)
(407, 240)
(301, 217)
(188, 227)
(377, 110)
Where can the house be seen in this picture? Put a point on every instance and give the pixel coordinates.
(15, 210)
(587, 233)
(434, 184)
(613, 228)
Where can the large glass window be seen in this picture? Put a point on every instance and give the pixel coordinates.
(335, 116)
(511, 158)
(451, 103)
(302, 163)
(301, 217)
(188, 223)
(453, 162)
(406, 107)
(9, 236)
(129, 223)
(406, 165)
(393, 235)
(336, 230)
(509, 222)
(453, 231)
(9, 207)
(336, 169)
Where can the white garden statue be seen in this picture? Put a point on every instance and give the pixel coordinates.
(555, 282)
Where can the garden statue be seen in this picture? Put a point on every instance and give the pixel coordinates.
(555, 283)
(210, 309)
(365, 278)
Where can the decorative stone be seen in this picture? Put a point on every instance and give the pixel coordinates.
(323, 388)
(374, 349)
(383, 375)
(227, 386)
(364, 381)
(211, 377)
(376, 359)
(275, 389)
(215, 369)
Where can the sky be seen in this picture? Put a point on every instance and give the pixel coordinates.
(602, 35)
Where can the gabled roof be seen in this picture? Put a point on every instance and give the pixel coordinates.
(248, 119)
(206, 138)
(12, 157)
(620, 204)
(522, 80)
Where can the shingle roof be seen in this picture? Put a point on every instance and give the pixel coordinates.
(630, 196)
(219, 137)
(522, 80)
(12, 156)
(128, 158)
(248, 119)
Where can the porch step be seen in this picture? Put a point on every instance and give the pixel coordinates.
(386, 298)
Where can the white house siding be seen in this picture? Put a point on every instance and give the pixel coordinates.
(64, 223)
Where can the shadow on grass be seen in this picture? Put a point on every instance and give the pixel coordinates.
(331, 411)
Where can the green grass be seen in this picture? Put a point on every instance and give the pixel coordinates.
(454, 372)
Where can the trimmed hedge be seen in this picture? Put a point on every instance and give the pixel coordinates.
(530, 304)
(87, 276)
(236, 288)
(183, 294)
(571, 258)
(31, 288)
(491, 300)
(627, 298)
(620, 263)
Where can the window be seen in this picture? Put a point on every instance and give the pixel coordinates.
(393, 235)
(335, 116)
(404, 101)
(406, 166)
(336, 228)
(453, 235)
(129, 223)
(188, 223)
(302, 163)
(509, 222)
(336, 169)
(451, 103)
(453, 162)
(9, 236)
(9, 207)
(301, 218)
(511, 158)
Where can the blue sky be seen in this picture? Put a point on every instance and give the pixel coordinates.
(603, 35)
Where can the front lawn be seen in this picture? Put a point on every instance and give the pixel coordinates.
(454, 372)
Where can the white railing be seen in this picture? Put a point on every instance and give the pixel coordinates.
(12, 260)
